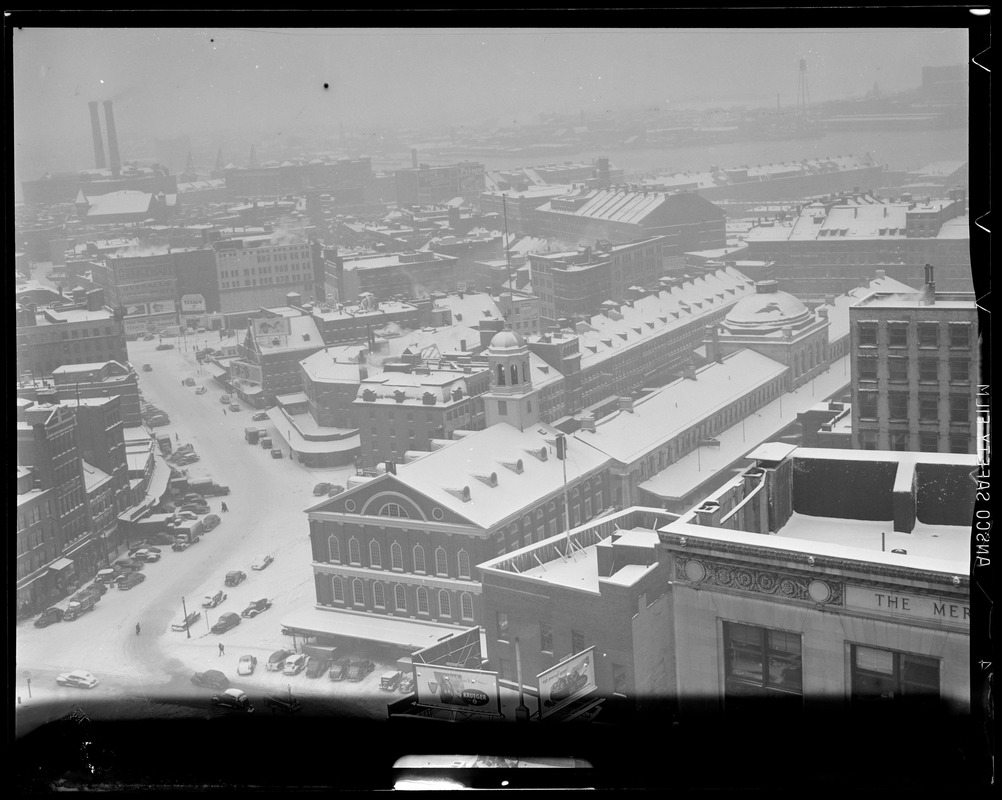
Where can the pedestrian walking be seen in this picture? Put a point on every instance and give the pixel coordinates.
(221, 649)
(177, 438)
(224, 507)
(138, 629)
(224, 412)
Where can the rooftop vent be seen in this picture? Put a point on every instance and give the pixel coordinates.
(461, 494)
(538, 453)
(514, 466)
(491, 479)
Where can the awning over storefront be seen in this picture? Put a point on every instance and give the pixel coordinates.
(215, 371)
(409, 634)
(292, 399)
(60, 565)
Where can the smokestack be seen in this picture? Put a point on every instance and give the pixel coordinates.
(95, 128)
(414, 164)
(929, 290)
(113, 156)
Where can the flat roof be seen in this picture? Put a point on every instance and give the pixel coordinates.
(913, 299)
(410, 634)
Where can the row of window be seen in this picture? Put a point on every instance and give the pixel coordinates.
(928, 369)
(928, 334)
(928, 407)
(928, 441)
(397, 552)
(443, 597)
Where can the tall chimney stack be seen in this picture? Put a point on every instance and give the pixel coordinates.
(95, 127)
(113, 156)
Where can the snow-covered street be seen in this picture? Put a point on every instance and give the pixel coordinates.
(265, 516)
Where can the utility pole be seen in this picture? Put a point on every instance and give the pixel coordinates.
(562, 455)
(522, 710)
(507, 246)
(187, 627)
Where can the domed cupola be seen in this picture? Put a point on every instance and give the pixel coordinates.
(767, 310)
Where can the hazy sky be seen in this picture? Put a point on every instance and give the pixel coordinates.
(168, 82)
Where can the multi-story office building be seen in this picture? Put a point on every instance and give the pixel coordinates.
(410, 275)
(916, 371)
(569, 284)
(516, 205)
(101, 379)
(143, 285)
(360, 321)
(423, 185)
(259, 271)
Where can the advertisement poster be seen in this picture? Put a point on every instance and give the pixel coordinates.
(192, 303)
(451, 687)
(162, 307)
(137, 310)
(572, 678)
(270, 326)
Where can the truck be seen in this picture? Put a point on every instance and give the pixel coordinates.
(251, 435)
(78, 606)
(165, 444)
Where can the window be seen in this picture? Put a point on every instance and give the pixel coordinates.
(502, 408)
(928, 407)
(466, 605)
(618, 678)
(899, 440)
(400, 598)
(393, 510)
(898, 369)
(928, 334)
(898, 402)
(463, 560)
(960, 336)
(503, 629)
(928, 370)
(375, 555)
(958, 444)
(444, 604)
(545, 637)
(338, 589)
(333, 549)
(887, 675)
(441, 561)
(378, 595)
(357, 593)
(354, 551)
(422, 600)
(928, 442)
(897, 334)
(866, 368)
(759, 662)
(959, 409)
(500, 374)
(960, 370)
(396, 556)
(418, 558)
(577, 642)
(867, 334)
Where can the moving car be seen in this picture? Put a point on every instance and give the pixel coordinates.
(225, 622)
(235, 578)
(213, 600)
(78, 679)
(259, 416)
(187, 622)
(276, 453)
(294, 664)
(316, 666)
(339, 669)
(48, 617)
(147, 368)
(286, 703)
(321, 489)
(189, 381)
(261, 562)
(359, 669)
(210, 522)
(276, 661)
(234, 406)
(389, 681)
(201, 390)
(131, 580)
(165, 346)
(233, 699)
(246, 665)
(225, 399)
(211, 679)
(256, 607)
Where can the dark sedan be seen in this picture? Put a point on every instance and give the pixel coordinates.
(225, 622)
(211, 679)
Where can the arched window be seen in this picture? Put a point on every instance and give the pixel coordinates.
(338, 589)
(333, 549)
(444, 604)
(418, 558)
(514, 374)
(400, 597)
(464, 564)
(394, 510)
(354, 552)
(466, 605)
(375, 555)
(357, 592)
(525, 372)
(378, 595)
(441, 561)
(422, 600)
(396, 556)
(500, 374)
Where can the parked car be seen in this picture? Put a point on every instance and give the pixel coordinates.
(213, 600)
(335, 490)
(286, 703)
(128, 565)
(78, 679)
(321, 489)
(294, 664)
(261, 562)
(147, 368)
(246, 665)
(276, 453)
(195, 508)
(105, 575)
(339, 669)
(189, 381)
(316, 666)
(186, 622)
(389, 681)
(225, 399)
(48, 617)
(131, 580)
(256, 607)
(211, 679)
(147, 556)
(276, 661)
(165, 346)
(149, 337)
(233, 699)
(235, 578)
(99, 587)
(234, 406)
(359, 669)
(225, 622)
(260, 416)
(201, 390)
(210, 522)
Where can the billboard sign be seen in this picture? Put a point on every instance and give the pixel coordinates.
(456, 688)
(461, 649)
(572, 678)
(137, 310)
(270, 326)
(192, 303)
(163, 307)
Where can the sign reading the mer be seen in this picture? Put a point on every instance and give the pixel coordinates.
(908, 605)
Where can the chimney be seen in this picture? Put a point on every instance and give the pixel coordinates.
(881, 274)
(929, 290)
(414, 164)
(689, 372)
(626, 404)
(588, 422)
(113, 155)
(95, 127)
